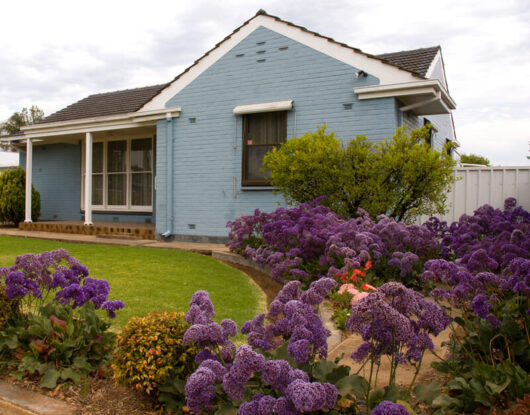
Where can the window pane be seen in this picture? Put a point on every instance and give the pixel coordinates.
(116, 190)
(97, 158)
(141, 184)
(254, 162)
(116, 156)
(266, 128)
(97, 189)
(141, 155)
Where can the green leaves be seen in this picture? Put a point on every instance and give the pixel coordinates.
(401, 176)
(427, 393)
(13, 196)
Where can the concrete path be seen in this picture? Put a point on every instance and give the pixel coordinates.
(17, 401)
(200, 248)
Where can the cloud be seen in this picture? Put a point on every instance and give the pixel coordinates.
(64, 52)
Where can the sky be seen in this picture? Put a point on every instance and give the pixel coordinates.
(54, 53)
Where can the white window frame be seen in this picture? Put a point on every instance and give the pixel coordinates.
(128, 174)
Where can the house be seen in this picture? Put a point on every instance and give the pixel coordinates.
(186, 155)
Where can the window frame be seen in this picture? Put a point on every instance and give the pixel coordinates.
(128, 207)
(260, 182)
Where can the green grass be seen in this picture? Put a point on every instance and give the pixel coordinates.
(148, 279)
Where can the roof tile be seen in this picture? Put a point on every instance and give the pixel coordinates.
(109, 103)
(417, 60)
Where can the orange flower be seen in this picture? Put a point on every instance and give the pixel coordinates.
(344, 277)
(358, 272)
(354, 279)
(367, 287)
(368, 265)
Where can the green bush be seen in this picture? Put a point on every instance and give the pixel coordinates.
(13, 197)
(150, 354)
(57, 343)
(401, 177)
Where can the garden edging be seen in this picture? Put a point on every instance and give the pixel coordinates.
(15, 400)
(335, 337)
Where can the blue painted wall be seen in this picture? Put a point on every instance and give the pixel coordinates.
(207, 168)
(57, 177)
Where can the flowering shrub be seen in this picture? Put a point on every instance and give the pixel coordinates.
(55, 331)
(151, 356)
(485, 278)
(311, 241)
(252, 377)
(395, 321)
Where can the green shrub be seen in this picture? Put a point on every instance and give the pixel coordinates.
(150, 353)
(57, 343)
(13, 197)
(402, 177)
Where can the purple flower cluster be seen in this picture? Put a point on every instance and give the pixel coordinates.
(396, 321)
(292, 317)
(206, 333)
(311, 240)
(389, 408)
(229, 373)
(59, 272)
(487, 259)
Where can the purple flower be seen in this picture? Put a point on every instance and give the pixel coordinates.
(479, 305)
(389, 408)
(112, 306)
(307, 397)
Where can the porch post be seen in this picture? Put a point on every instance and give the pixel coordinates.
(88, 179)
(29, 161)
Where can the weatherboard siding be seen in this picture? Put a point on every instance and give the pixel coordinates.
(207, 189)
(56, 176)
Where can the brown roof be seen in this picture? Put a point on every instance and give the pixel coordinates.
(109, 103)
(417, 60)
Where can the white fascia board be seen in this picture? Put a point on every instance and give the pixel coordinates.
(113, 122)
(387, 74)
(429, 86)
(264, 107)
(433, 64)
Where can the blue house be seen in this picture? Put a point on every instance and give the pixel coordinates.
(186, 155)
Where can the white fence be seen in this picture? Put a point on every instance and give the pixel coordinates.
(477, 186)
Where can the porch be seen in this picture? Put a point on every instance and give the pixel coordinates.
(102, 229)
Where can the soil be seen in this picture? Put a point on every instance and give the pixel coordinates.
(264, 281)
(97, 395)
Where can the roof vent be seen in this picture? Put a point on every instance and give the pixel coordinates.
(260, 12)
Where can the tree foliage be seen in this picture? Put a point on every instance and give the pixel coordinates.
(13, 197)
(20, 119)
(401, 177)
(474, 159)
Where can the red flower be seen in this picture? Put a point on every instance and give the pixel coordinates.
(368, 265)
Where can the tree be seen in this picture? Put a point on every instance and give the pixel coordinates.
(474, 159)
(401, 177)
(13, 197)
(21, 119)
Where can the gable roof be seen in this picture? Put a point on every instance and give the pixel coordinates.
(414, 63)
(417, 60)
(109, 103)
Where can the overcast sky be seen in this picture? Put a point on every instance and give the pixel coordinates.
(53, 53)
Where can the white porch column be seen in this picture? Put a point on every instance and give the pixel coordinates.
(88, 179)
(29, 161)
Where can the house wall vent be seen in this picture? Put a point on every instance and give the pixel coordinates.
(347, 106)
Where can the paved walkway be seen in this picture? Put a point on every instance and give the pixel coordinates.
(201, 248)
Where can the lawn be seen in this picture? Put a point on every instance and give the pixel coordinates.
(148, 279)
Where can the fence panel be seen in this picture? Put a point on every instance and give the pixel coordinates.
(477, 186)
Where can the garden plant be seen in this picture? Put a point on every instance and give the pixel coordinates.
(53, 330)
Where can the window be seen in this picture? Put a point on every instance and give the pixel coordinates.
(122, 174)
(261, 132)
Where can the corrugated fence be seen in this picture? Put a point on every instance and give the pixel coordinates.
(477, 186)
